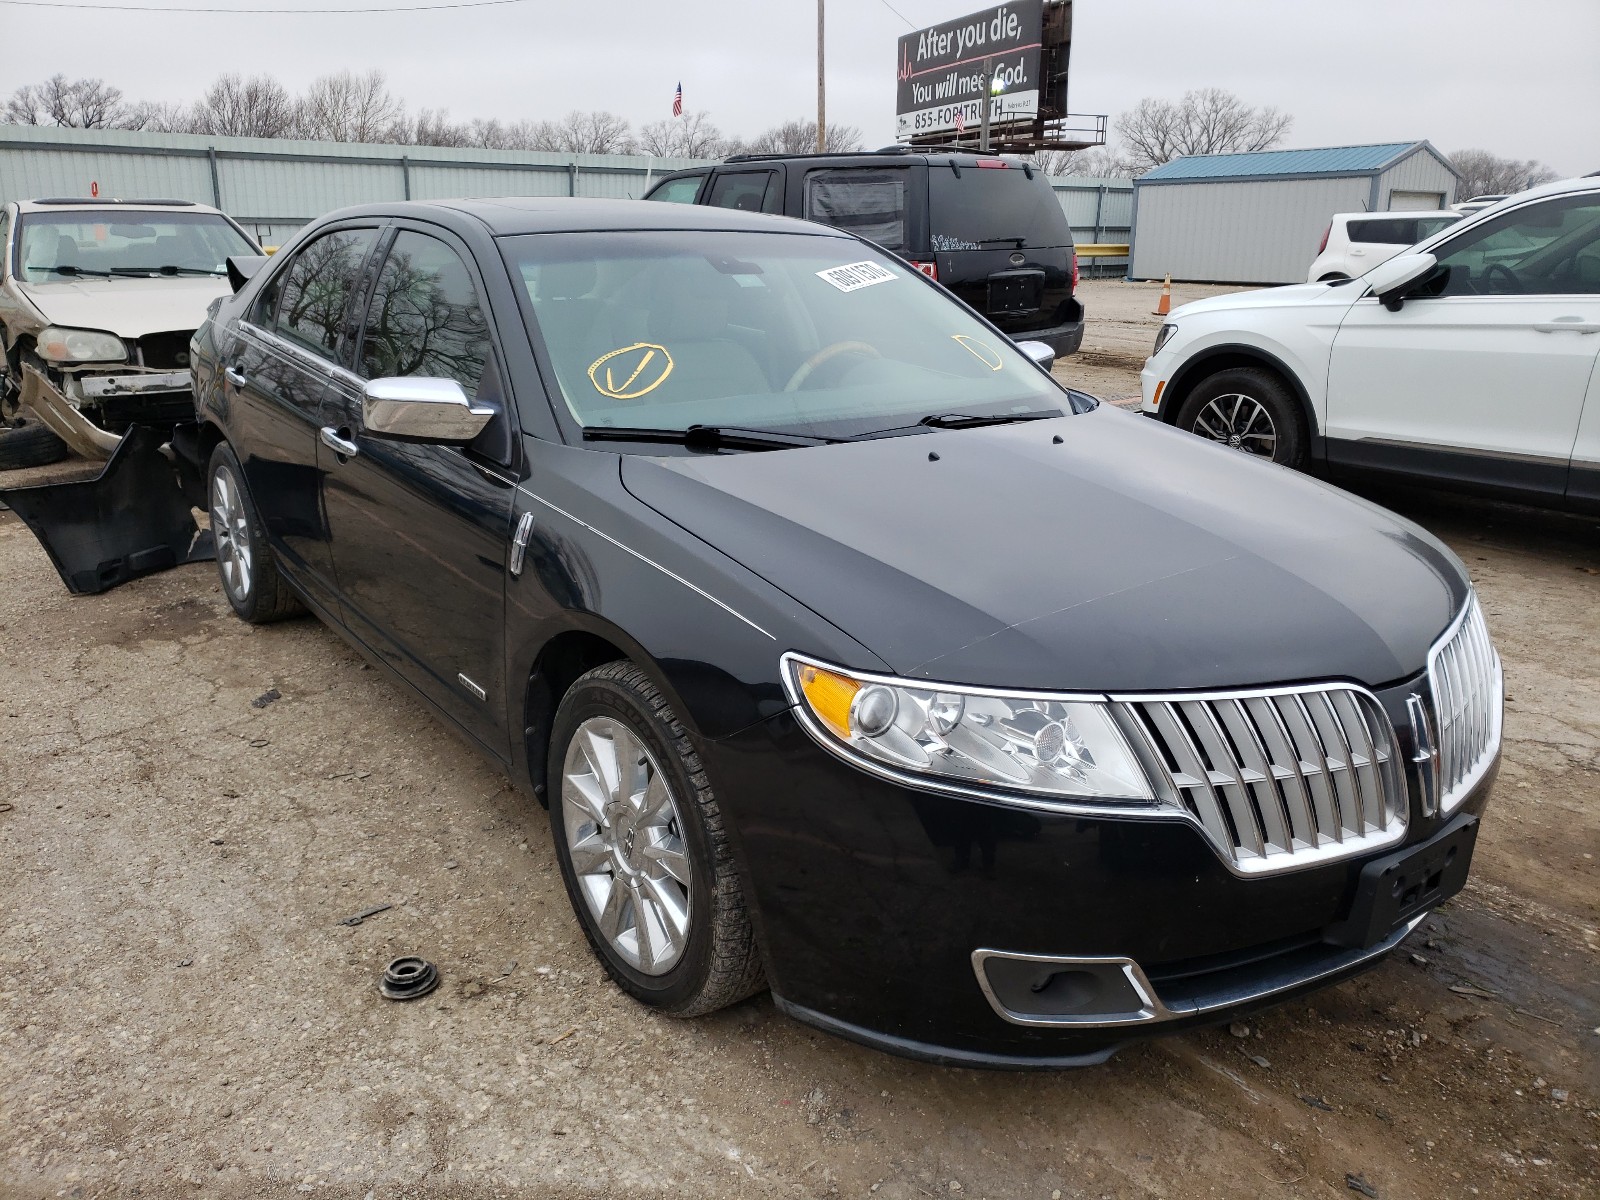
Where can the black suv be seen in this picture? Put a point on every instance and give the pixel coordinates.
(989, 228)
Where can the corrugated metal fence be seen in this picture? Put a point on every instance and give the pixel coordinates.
(273, 187)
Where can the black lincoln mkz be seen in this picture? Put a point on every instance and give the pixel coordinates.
(849, 651)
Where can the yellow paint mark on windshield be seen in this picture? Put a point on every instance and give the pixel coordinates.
(982, 351)
(631, 372)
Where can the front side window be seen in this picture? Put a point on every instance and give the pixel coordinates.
(308, 300)
(426, 317)
(794, 332)
(1552, 247)
(869, 202)
(56, 246)
(678, 191)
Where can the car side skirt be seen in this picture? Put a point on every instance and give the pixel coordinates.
(1521, 477)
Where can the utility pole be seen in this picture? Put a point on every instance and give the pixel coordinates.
(984, 86)
(822, 94)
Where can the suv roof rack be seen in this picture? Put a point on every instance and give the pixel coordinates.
(105, 200)
(896, 149)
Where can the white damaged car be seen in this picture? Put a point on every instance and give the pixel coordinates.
(98, 301)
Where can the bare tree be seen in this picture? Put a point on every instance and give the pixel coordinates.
(74, 103)
(433, 127)
(347, 107)
(1486, 174)
(237, 107)
(1100, 161)
(590, 133)
(800, 137)
(1207, 121)
(689, 136)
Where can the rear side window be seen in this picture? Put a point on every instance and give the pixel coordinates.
(426, 317)
(678, 191)
(1387, 231)
(986, 208)
(748, 191)
(307, 301)
(868, 202)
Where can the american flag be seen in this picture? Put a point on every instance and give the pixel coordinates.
(961, 122)
(677, 102)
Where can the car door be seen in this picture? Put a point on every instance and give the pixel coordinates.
(277, 367)
(1481, 379)
(420, 531)
(1583, 480)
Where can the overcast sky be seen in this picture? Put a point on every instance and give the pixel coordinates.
(1519, 79)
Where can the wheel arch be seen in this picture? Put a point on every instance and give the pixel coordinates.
(1225, 357)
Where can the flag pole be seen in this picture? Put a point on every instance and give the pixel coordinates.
(822, 103)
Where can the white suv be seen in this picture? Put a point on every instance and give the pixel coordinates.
(1471, 360)
(1354, 243)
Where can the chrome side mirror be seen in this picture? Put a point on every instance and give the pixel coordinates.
(421, 409)
(1039, 352)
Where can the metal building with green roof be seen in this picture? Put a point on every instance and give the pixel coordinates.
(1257, 218)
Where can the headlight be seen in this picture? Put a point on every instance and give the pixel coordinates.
(1163, 336)
(59, 345)
(1055, 747)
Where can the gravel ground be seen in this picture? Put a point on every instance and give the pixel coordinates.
(181, 1013)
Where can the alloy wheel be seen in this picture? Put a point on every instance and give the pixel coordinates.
(625, 840)
(230, 531)
(1239, 421)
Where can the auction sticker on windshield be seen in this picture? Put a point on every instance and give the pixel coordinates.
(852, 276)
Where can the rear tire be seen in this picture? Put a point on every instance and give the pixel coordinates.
(643, 849)
(27, 443)
(1249, 409)
(249, 573)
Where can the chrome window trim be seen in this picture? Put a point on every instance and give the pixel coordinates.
(600, 533)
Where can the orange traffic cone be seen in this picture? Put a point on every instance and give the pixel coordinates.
(1164, 305)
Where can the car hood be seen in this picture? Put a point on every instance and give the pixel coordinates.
(129, 308)
(1128, 557)
(1273, 297)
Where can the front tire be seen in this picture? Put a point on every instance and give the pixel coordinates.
(28, 443)
(643, 851)
(1249, 409)
(249, 573)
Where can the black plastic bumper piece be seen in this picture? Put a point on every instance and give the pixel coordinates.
(132, 519)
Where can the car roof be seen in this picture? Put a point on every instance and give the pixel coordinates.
(89, 204)
(1397, 212)
(510, 215)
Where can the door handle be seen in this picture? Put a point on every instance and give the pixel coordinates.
(1568, 325)
(340, 446)
(235, 376)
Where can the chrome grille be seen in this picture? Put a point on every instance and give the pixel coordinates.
(1277, 778)
(1468, 694)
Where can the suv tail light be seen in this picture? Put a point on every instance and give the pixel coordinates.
(1074, 270)
(994, 164)
(930, 269)
(1323, 244)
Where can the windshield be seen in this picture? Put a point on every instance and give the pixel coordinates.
(815, 335)
(993, 208)
(56, 246)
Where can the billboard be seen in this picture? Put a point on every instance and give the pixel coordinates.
(940, 71)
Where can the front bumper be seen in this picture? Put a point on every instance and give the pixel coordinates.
(881, 907)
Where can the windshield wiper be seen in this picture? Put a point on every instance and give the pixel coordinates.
(707, 437)
(965, 421)
(167, 270)
(69, 269)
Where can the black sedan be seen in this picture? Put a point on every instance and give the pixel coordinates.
(850, 653)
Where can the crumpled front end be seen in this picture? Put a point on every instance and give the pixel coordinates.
(91, 407)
